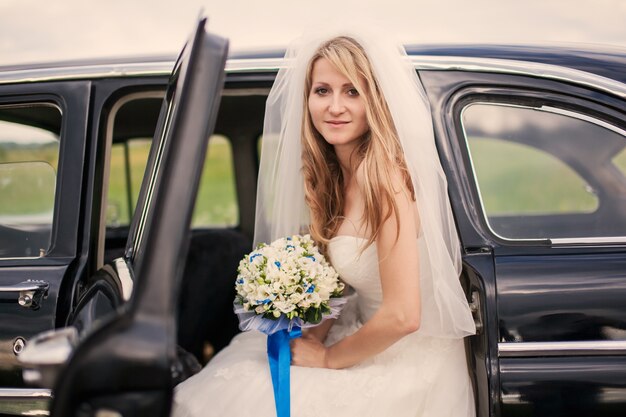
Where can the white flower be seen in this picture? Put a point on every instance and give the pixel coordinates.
(288, 276)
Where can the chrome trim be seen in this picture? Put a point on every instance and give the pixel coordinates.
(584, 117)
(25, 401)
(582, 348)
(126, 280)
(425, 62)
(77, 72)
(245, 92)
(152, 175)
(617, 240)
(526, 68)
(28, 285)
(255, 65)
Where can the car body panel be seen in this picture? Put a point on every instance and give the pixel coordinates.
(20, 322)
(568, 290)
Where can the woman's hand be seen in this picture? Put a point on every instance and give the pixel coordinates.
(308, 351)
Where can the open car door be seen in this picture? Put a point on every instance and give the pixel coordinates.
(123, 366)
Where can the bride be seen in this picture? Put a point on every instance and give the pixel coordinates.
(349, 153)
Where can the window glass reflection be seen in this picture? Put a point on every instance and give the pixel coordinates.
(29, 157)
(541, 174)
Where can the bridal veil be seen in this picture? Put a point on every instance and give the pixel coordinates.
(281, 209)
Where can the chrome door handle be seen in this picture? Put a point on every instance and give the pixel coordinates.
(475, 308)
(30, 292)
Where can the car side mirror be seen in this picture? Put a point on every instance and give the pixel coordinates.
(45, 355)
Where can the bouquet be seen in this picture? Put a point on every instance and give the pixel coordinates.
(281, 288)
(288, 282)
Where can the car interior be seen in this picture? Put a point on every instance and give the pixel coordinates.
(206, 319)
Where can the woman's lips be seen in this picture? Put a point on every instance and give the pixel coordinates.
(336, 123)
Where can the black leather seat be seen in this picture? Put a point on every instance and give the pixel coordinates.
(208, 290)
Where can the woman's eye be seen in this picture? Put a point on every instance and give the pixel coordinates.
(353, 92)
(321, 90)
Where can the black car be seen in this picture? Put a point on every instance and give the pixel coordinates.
(96, 247)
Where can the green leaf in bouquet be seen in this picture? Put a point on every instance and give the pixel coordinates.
(270, 315)
(313, 315)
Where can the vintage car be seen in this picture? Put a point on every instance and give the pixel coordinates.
(105, 270)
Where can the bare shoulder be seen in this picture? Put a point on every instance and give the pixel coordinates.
(403, 223)
(402, 195)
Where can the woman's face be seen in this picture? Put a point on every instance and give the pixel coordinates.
(336, 107)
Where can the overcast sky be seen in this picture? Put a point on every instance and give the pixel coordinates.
(39, 30)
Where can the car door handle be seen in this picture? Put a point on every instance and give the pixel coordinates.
(29, 292)
(475, 308)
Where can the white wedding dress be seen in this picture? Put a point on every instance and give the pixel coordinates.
(417, 376)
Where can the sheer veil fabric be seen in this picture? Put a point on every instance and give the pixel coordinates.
(422, 374)
(281, 209)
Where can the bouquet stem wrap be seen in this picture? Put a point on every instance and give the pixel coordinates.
(279, 355)
(282, 288)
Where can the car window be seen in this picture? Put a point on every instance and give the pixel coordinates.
(128, 162)
(29, 157)
(546, 173)
(216, 204)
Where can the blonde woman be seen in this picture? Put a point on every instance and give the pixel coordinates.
(349, 156)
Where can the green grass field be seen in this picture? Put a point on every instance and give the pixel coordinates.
(513, 179)
(28, 179)
(518, 179)
(216, 203)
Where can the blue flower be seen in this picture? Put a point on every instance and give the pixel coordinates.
(310, 256)
(254, 255)
(277, 264)
(290, 247)
(311, 288)
(240, 281)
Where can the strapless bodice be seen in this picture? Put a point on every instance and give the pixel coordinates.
(358, 271)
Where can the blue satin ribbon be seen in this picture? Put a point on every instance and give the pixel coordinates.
(279, 355)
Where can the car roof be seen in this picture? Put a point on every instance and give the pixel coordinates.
(604, 60)
(601, 60)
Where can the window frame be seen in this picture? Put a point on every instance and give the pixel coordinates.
(109, 126)
(516, 96)
(48, 100)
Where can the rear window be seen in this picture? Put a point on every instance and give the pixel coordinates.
(546, 173)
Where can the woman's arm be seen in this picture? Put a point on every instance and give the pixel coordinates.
(399, 312)
(320, 331)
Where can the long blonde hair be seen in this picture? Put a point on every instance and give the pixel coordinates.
(379, 150)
